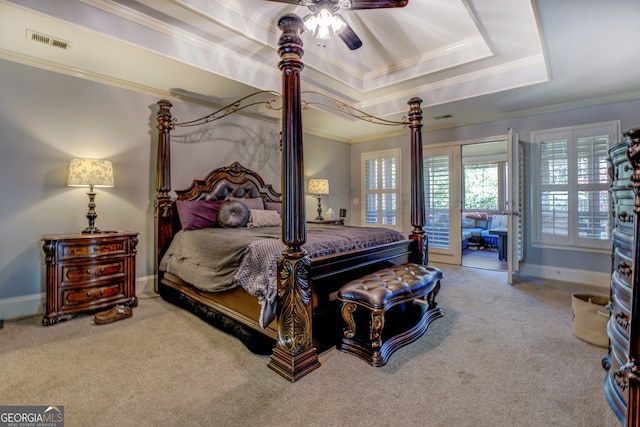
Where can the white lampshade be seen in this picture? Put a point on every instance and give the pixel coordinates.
(90, 173)
(318, 186)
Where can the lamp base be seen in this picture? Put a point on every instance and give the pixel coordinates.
(319, 217)
(91, 214)
(93, 230)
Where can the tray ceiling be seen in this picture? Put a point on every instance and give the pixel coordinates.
(470, 60)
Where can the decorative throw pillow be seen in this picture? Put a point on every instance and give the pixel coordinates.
(251, 202)
(195, 214)
(263, 218)
(233, 214)
(476, 215)
(468, 223)
(274, 206)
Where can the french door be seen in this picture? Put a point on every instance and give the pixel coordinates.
(443, 201)
(513, 205)
(442, 204)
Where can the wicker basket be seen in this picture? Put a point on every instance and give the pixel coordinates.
(590, 316)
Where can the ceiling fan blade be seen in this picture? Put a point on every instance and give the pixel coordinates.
(296, 2)
(377, 4)
(350, 38)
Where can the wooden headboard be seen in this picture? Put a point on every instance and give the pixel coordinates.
(233, 180)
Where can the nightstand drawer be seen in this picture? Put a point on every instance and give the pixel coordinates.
(91, 249)
(76, 297)
(81, 273)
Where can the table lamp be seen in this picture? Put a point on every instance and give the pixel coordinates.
(319, 187)
(90, 173)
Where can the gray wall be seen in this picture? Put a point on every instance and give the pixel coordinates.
(48, 118)
(550, 261)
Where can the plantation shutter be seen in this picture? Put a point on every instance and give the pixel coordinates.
(573, 183)
(554, 195)
(436, 179)
(381, 188)
(593, 185)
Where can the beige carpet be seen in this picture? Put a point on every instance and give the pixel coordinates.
(500, 356)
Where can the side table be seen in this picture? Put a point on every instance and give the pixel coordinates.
(502, 242)
(88, 272)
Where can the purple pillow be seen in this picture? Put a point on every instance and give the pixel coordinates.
(273, 206)
(195, 214)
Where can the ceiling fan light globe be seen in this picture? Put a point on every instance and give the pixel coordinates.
(323, 20)
(323, 33)
(338, 24)
(311, 23)
(324, 17)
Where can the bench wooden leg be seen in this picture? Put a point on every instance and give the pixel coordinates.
(377, 325)
(347, 314)
(431, 296)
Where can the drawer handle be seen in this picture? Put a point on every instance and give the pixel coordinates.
(621, 380)
(621, 320)
(622, 375)
(624, 217)
(92, 295)
(97, 273)
(624, 268)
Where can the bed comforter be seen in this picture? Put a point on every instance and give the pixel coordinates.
(218, 259)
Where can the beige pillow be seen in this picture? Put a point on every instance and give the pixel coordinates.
(250, 202)
(263, 218)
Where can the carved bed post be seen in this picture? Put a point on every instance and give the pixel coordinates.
(163, 215)
(294, 355)
(417, 182)
(631, 369)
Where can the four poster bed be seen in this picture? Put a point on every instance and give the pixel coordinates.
(302, 266)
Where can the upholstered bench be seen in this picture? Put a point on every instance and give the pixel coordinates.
(388, 309)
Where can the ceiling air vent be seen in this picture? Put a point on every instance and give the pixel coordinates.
(444, 116)
(48, 40)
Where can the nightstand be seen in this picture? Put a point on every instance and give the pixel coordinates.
(328, 221)
(88, 272)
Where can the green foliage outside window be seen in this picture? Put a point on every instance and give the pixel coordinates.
(481, 186)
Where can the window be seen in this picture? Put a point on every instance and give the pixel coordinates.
(436, 188)
(481, 184)
(381, 192)
(572, 186)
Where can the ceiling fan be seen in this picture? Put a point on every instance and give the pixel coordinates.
(324, 20)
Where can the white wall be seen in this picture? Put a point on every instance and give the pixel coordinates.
(48, 118)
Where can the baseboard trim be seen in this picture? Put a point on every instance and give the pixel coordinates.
(584, 277)
(22, 306)
(146, 285)
(32, 305)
